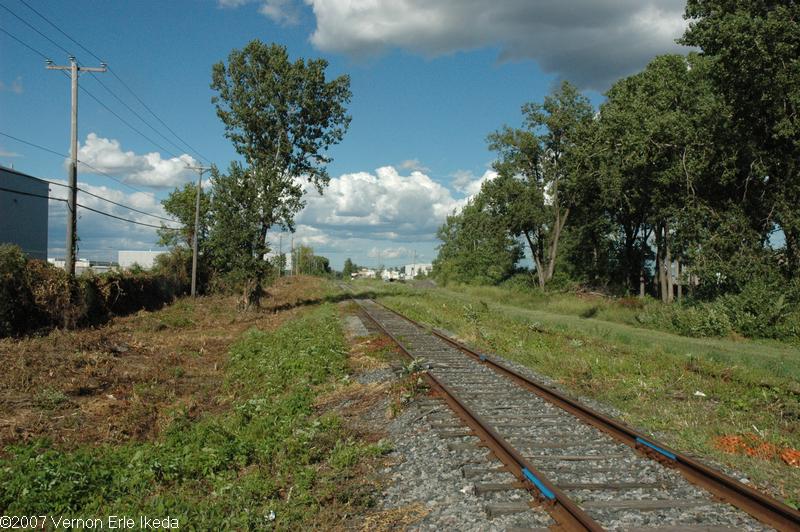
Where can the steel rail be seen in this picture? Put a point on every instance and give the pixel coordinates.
(766, 509)
(568, 514)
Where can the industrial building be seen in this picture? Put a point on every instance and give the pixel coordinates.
(412, 270)
(144, 259)
(23, 212)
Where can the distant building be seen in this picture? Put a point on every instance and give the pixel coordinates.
(412, 270)
(83, 265)
(392, 275)
(364, 273)
(145, 259)
(23, 212)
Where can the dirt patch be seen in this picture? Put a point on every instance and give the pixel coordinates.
(128, 379)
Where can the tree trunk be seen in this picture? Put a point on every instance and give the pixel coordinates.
(679, 281)
(641, 281)
(553, 252)
(660, 255)
(668, 263)
(537, 260)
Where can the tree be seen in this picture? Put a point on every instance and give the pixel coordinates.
(310, 264)
(476, 248)
(754, 47)
(535, 189)
(282, 117)
(348, 268)
(235, 238)
(181, 205)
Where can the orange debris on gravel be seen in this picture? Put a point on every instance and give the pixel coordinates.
(752, 445)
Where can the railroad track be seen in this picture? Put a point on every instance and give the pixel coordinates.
(589, 471)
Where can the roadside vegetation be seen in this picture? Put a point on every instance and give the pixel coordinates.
(736, 401)
(682, 186)
(244, 448)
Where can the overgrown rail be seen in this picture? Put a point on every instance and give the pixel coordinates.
(479, 389)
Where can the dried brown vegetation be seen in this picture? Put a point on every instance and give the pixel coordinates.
(128, 379)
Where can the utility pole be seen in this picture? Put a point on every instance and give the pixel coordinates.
(72, 195)
(200, 170)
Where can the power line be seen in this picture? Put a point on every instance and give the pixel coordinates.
(31, 26)
(127, 87)
(22, 193)
(26, 45)
(48, 150)
(56, 183)
(60, 30)
(200, 155)
(128, 220)
(136, 114)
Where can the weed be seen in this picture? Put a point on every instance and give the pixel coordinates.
(49, 398)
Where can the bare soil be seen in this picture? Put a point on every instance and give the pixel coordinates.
(129, 378)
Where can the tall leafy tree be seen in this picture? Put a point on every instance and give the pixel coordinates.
(181, 204)
(536, 188)
(476, 247)
(755, 48)
(282, 116)
(348, 268)
(236, 235)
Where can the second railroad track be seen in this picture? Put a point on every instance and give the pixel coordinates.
(588, 470)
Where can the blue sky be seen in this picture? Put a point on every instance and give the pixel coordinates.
(430, 79)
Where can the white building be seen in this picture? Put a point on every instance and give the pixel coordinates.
(364, 273)
(414, 269)
(391, 275)
(145, 259)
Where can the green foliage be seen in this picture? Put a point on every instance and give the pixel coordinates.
(475, 248)
(701, 320)
(224, 471)
(181, 204)
(282, 117)
(349, 268)
(305, 262)
(536, 188)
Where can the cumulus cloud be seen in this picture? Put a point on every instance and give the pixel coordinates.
(149, 169)
(101, 236)
(590, 42)
(467, 183)
(384, 203)
(280, 11)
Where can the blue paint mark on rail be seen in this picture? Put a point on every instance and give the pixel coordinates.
(656, 448)
(538, 483)
(482, 357)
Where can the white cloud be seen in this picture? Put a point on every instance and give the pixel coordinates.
(149, 169)
(101, 236)
(280, 11)
(15, 86)
(467, 183)
(414, 164)
(5, 153)
(389, 253)
(383, 203)
(590, 42)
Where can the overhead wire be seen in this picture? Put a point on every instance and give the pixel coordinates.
(23, 43)
(128, 207)
(31, 26)
(122, 82)
(48, 197)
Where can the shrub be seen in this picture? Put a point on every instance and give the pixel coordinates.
(35, 294)
(707, 319)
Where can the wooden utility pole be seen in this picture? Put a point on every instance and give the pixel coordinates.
(200, 170)
(72, 194)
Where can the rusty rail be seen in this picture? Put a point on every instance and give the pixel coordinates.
(762, 507)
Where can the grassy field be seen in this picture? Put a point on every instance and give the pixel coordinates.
(731, 400)
(195, 412)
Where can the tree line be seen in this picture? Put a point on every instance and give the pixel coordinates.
(683, 182)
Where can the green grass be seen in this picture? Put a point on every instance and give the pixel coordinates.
(651, 376)
(270, 452)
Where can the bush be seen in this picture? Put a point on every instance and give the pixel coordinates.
(762, 310)
(36, 295)
(707, 319)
